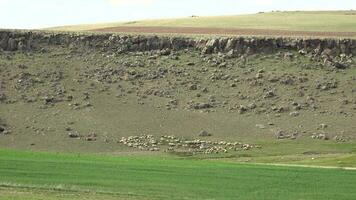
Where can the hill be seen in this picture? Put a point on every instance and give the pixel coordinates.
(342, 23)
(173, 117)
(122, 94)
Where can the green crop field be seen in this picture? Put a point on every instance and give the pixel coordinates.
(150, 177)
(333, 21)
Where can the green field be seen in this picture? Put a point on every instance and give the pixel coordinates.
(149, 177)
(330, 21)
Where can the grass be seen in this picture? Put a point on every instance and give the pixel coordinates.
(331, 21)
(151, 177)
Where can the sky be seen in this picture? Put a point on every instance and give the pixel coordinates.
(48, 13)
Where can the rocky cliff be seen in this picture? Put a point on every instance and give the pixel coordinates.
(31, 41)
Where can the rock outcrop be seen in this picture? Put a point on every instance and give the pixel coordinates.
(26, 41)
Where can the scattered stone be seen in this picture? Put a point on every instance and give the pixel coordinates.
(288, 80)
(269, 94)
(341, 138)
(2, 129)
(164, 52)
(231, 54)
(320, 136)
(204, 133)
(91, 137)
(288, 56)
(252, 106)
(22, 66)
(261, 126)
(280, 134)
(190, 64)
(294, 114)
(48, 100)
(173, 102)
(193, 87)
(323, 126)
(2, 97)
(73, 135)
(199, 106)
(302, 52)
(136, 74)
(280, 109)
(223, 65)
(332, 84)
(259, 76)
(242, 109)
(205, 90)
(339, 65)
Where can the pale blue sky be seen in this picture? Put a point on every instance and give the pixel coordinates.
(45, 13)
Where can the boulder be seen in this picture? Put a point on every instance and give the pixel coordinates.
(320, 136)
(288, 56)
(73, 135)
(12, 45)
(230, 45)
(198, 106)
(232, 53)
(294, 114)
(4, 42)
(2, 129)
(204, 133)
(211, 46)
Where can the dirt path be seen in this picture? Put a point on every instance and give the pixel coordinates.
(307, 166)
(224, 31)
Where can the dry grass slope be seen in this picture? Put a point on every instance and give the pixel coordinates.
(335, 22)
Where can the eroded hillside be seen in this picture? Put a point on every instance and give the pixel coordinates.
(234, 96)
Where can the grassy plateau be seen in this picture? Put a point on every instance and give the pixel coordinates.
(329, 21)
